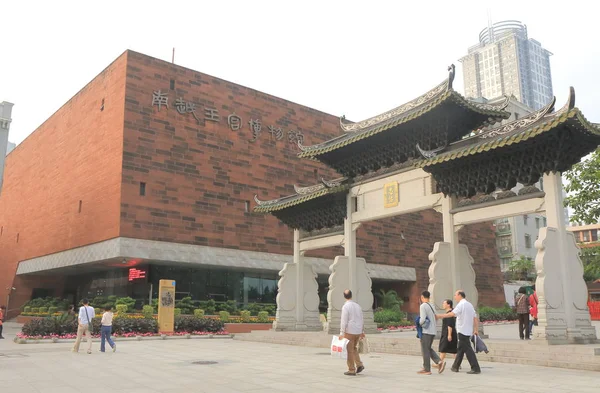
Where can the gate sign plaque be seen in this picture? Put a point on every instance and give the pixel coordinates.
(390, 195)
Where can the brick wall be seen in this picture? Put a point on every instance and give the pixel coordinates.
(199, 177)
(74, 156)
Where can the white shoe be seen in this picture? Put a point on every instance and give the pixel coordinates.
(115, 348)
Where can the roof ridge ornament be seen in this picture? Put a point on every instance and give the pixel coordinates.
(431, 153)
(570, 104)
(518, 123)
(258, 201)
(451, 70)
(440, 89)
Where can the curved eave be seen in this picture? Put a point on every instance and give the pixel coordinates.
(296, 199)
(521, 136)
(449, 96)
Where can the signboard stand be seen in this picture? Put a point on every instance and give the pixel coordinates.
(166, 306)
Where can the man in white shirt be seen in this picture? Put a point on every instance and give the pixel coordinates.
(85, 318)
(352, 328)
(467, 325)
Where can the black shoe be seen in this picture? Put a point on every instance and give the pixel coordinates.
(349, 373)
(455, 370)
(1, 338)
(474, 372)
(360, 369)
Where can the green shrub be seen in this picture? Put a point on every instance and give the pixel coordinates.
(177, 311)
(121, 309)
(263, 316)
(230, 306)
(129, 302)
(148, 311)
(186, 305)
(27, 309)
(188, 323)
(224, 316)
(389, 316)
(198, 313)
(35, 310)
(210, 307)
(43, 310)
(497, 314)
(52, 310)
(155, 305)
(245, 315)
(66, 324)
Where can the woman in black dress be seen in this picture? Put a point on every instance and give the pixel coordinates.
(449, 338)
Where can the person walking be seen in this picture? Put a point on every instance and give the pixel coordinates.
(522, 302)
(533, 310)
(449, 338)
(2, 312)
(428, 323)
(352, 328)
(106, 329)
(85, 318)
(467, 325)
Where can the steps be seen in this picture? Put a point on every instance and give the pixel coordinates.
(536, 353)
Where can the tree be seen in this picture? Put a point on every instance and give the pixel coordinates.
(583, 190)
(590, 257)
(521, 269)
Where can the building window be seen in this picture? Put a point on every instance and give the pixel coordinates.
(537, 222)
(172, 84)
(247, 206)
(504, 263)
(595, 234)
(586, 236)
(142, 189)
(525, 217)
(527, 241)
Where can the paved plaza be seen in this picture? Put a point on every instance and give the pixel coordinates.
(168, 366)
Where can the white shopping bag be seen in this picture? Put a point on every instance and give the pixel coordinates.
(339, 347)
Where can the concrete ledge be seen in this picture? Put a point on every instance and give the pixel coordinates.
(578, 357)
(18, 340)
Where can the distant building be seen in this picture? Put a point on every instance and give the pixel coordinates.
(586, 235)
(5, 119)
(507, 62)
(10, 147)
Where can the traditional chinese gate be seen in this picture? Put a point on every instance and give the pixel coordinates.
(416, 157)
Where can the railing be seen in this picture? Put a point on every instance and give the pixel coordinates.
(594, 310)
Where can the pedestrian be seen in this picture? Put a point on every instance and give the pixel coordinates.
(106, 329)
(428, 323)
(449, 338)
(352, 328)
(85, 318)
(522, 302)
(467, 325)
(533, 310)
(2, 312)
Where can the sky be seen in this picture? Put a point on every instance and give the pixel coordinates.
(352, 58)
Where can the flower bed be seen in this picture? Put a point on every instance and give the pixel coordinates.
(133, 325)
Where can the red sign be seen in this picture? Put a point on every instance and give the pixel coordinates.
(136, 274)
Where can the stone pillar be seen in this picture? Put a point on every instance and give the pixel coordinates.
(350, 243)
(338, 282)
(563, 315)
(297, 295)
(451, 266)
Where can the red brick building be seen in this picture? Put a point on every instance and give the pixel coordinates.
(151, 170)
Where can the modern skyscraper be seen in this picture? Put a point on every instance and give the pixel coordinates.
(5, 119)
(507, 62)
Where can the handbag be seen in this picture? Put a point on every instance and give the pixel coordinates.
(90, 324)
(363, 345)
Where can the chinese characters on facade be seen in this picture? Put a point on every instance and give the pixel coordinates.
(234, 122)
